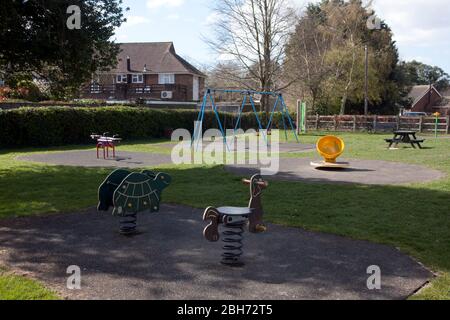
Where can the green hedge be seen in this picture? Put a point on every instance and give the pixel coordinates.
(57, 126)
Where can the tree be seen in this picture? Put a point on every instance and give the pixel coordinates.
(418, 73)
(252, 34)
(347, 82)
(35, 39)
(326, 55)
(305, 65)
(348, 21)
(228, 75)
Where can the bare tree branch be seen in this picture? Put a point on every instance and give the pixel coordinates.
(253, 35)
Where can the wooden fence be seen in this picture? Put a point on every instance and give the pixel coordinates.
(377, 123)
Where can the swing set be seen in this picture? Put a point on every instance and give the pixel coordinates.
(248, 96)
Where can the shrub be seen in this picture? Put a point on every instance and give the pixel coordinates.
(56, 126)
(25, 90)
(5, 93)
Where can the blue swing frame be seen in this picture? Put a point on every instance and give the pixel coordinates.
(248, 94)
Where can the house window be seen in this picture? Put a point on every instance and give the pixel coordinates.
(139, 90)
(121, 78)
(166, 78)
(147, 89)
(137, 78)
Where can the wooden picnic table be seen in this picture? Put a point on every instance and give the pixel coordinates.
(407, 137)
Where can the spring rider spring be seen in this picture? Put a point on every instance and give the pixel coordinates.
(131, 193)
(330, 148)
(234, 219)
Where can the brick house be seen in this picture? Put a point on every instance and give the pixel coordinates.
(425, 98)
(151, 71)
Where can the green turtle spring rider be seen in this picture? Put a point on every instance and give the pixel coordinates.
(234, 220)
(131, 193)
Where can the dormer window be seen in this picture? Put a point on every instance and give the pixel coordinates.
(121, 78)
(137, 78)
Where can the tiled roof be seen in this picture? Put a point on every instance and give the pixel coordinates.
(417, 92)
(155, 57)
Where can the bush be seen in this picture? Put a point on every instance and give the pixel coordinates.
(57, 126)
(5, 93)
(25, 90)
(28, 90)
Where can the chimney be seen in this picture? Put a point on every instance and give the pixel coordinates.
(128, 64)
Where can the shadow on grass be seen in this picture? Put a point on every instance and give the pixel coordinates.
(30, 190)
(427, 148)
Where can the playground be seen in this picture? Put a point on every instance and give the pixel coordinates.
(285, 263)
(330, 226)
(200, 155)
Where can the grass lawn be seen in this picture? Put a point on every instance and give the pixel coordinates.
(413, 217)
(13, 287)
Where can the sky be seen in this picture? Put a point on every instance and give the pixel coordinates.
(421, 28)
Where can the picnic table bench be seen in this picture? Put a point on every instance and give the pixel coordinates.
(407, 137)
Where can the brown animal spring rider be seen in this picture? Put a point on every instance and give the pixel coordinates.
(234, 219)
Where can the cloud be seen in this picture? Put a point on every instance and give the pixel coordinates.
(416, 22)
(153, 4)
(136, 20)
(173, 16)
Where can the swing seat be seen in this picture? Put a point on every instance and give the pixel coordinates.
(235, 211)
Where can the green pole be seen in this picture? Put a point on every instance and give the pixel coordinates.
(437, 114)
(436, 128)
(304, 117)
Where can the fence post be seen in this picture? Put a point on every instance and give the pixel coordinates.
(421, 124)
(317, 122)
(375, 123)
(335, 122)
(354, 123)
(448, 125)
